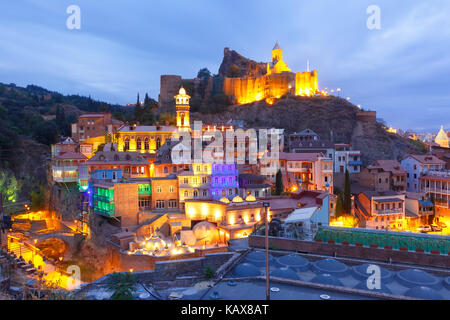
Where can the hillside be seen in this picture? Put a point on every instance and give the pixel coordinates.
(31, 119)
(328, 116)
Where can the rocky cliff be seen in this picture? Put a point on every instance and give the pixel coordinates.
(331, 117)
(236, 65)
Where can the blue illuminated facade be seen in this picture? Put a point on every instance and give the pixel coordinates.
(224, 181)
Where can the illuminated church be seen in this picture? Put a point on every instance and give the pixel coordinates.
(277, 81)
(442, 138)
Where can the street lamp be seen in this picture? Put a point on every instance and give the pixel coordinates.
(266, 206)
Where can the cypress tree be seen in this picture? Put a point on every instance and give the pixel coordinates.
(338, 205)
(279, 183)
(347, 194)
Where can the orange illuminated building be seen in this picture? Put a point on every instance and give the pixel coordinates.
(277, 81)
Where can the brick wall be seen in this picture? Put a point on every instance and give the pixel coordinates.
(351, 251)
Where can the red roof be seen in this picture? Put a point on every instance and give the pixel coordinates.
(426, 159)
(69, 155)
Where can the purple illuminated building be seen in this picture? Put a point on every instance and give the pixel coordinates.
(224, 181)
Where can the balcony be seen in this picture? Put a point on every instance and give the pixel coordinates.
(389, 211)
(65, 174)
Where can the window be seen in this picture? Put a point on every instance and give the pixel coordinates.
(127, 144)
(158, 189)
(185, 180)
(205, 193)
(158, 143)
(186, 194)
(146, 144)
(166, 170)
(173, 203)
(103, 174)
(138, 144)
(171, 189)
(204, 180)
(160, 204)
(195, 193)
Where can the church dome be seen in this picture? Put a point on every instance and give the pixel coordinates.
(250, 198)
(182, 91)
(442, 138)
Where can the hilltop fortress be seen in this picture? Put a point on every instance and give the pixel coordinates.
(244, 81)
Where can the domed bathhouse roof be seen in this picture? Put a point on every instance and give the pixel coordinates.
(285, 273)
(328, 279)
(258, 258)
(415, 277)
(246, 270)
(361, 273)
(205, 232)
(294, 261)
(363, 286)
(330, 266)
(447, 283)
(424, 293)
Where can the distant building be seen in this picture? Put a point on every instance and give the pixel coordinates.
(253, 184)
(195, 183)
(92, 127)
(346, 159)
(224, 180)
(165, 194)
(442, 138)
(305, 171)
(65, 166)
(418, 165)
(436, 185)
(418, 210)
(380, 209)
(383, 175)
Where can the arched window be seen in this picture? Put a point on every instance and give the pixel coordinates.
(138, 144)
(146, 144)
(195, 193)
(182, 119)
(158, 143)
(127, 144)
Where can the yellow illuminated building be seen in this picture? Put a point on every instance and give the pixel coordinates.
(182, 108)
(195, 183)
(442, 138)
(277, 81)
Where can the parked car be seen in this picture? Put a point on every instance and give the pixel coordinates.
(425, 229)
(436, 228)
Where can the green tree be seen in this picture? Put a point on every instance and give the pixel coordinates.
(9, 187)
(279, 183)
(210, 271)
(204, 73)
(169, 118)
(37, 199)
(347, 205)
(123, 285)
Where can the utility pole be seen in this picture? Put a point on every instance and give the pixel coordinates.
(266, 230)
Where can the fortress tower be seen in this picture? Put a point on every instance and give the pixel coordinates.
(182, 108)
